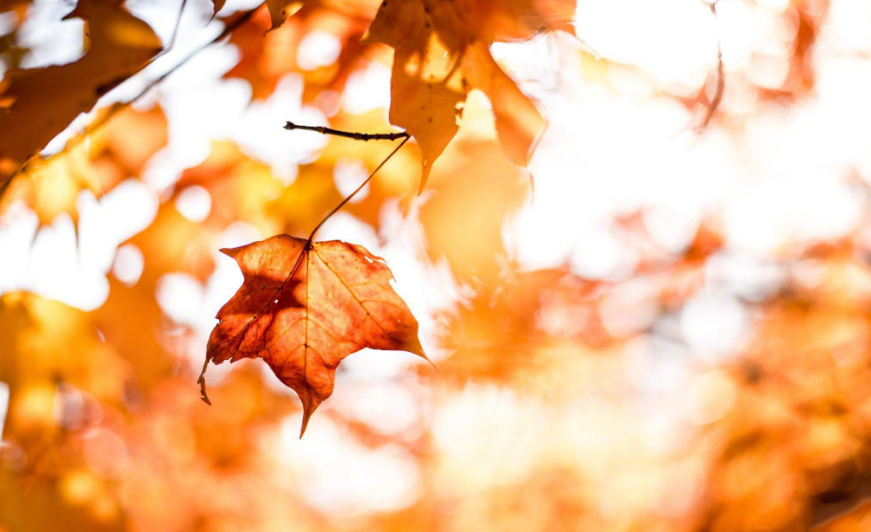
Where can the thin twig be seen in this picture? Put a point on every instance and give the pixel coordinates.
(721, 78)
(114, 109)
(177, 24)
(290, 126)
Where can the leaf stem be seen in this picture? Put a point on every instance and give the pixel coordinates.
(352, 194)
(290, 126)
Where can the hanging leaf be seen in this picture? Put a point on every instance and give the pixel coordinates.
(304, 307)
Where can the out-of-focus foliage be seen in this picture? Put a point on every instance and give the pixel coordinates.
(111, 155)
(693, 386)
(37, 104)
(266, 58)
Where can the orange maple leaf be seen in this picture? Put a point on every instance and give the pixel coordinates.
(303, 307)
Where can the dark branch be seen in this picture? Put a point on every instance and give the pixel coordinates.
(177, 24)
(290, 126)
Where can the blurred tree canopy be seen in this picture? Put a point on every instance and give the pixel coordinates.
(685, 346)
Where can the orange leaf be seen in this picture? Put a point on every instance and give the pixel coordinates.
(426, 88)
(35, 109)
(279, 10)
(518, 122)
(442, 51)
(304, 307)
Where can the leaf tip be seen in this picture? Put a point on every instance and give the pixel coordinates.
(424, 176)
(309, 405)
(418, 350)
(306, 416)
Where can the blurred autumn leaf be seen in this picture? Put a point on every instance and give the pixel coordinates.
(239, 187)
(33, 111)
(117, 152)
(442, 51)
(48, 345)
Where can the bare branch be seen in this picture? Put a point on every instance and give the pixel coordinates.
(290, 126)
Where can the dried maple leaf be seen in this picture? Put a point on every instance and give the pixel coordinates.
(33, 109)
(303, 307)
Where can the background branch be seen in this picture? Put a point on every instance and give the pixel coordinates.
(720, 86)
